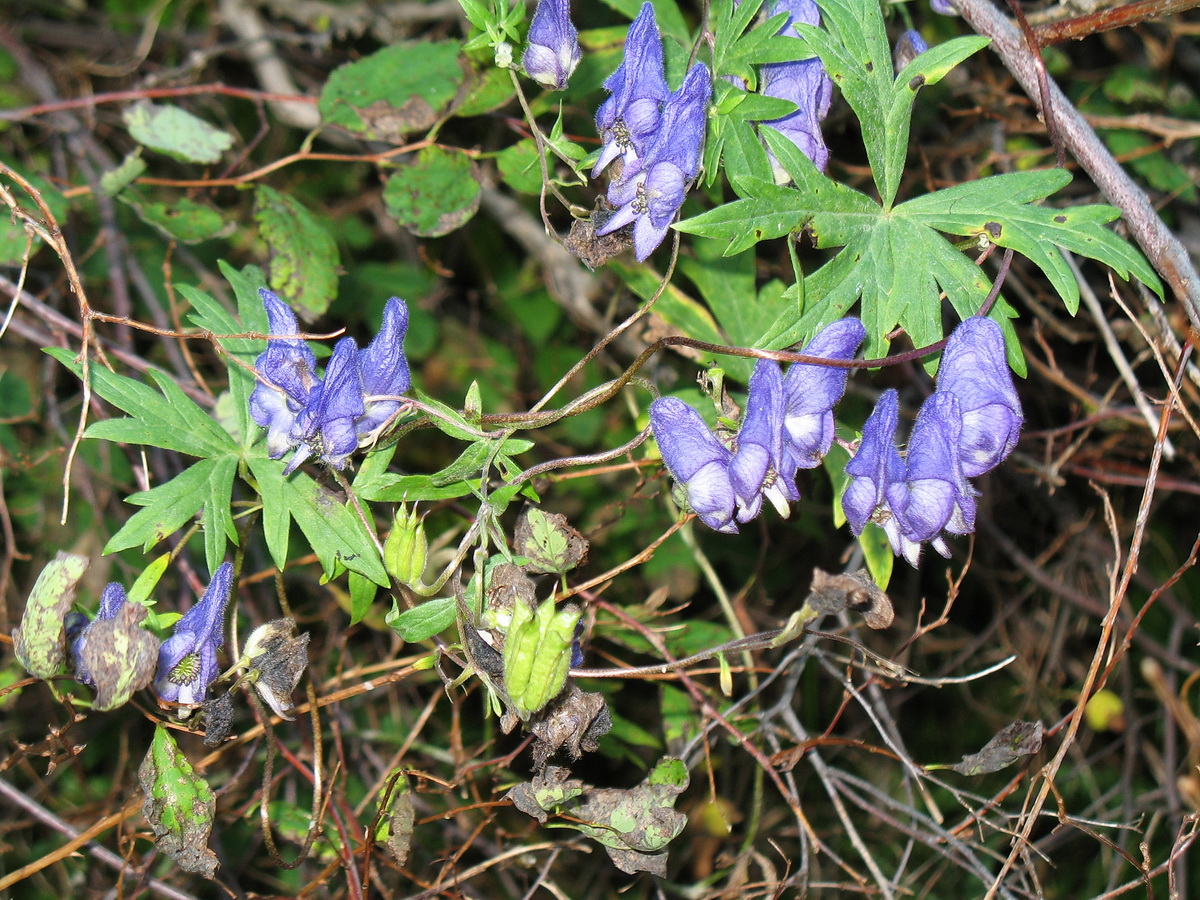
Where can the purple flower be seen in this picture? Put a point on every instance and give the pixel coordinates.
(384, 372)
(652, 186)
(628, 119)
(326, 426)
(810, 392)
(908, 47)
(759, 440)
(289, 370)
(876, 466)
(111, 602)
(553, 51)
(187, 661)
(974, 370)
(935, 496)
(945, 7)
(698, 461)
(329, 417)
(804, 83)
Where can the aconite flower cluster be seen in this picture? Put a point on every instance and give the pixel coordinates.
(967, 427)
(964, 429)
(656, 133)
(787, 426)
(328, 417)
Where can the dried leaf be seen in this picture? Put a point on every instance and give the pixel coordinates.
(396, 818)
(549, 543)
(280, 658)
(1017, 740)
(635, 825)
(218, 719)
(179, 805)
(855, 591)
(546, 793)
(120, 656)
(574, 721)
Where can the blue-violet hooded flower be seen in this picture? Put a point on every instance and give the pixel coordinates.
(698, 461)
(974, 370)
(553, 50)
(934, 496)
(384, 371)
(628, 119)
(111, 601)
(876, 465)
(908, 47)
(332, 416)
(187, 661)
(811, 391)
(652, 187)
(326, 426)
(759, 440)
(803, 82)
(291, 370)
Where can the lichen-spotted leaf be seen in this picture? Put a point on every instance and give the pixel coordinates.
(179, 805)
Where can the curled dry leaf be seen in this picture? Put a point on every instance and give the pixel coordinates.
(856, 592)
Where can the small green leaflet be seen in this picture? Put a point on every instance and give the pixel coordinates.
(332, 527)
(176, 132)
(424, 621)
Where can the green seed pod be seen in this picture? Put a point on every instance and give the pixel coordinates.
(537, 655)
(406, 549)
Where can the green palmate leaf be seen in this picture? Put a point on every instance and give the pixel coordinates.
(38, 641)
(207, 486)
(424, 621)
(436, 194)
(394, 91)
(304, 255)
(1005, 217)
(876, 264)
(176, 132)
(332, 528)
(169, 419)
(179, 805)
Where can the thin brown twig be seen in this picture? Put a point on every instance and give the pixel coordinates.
(1164, 250)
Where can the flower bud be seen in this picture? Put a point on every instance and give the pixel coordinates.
(504, 55)
(406, 549)
(553, 50)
